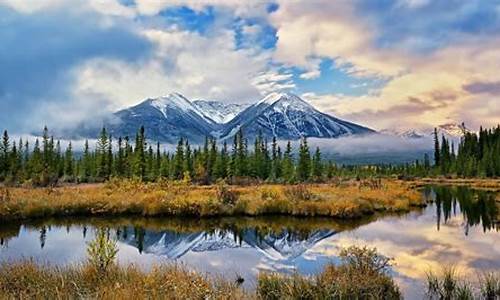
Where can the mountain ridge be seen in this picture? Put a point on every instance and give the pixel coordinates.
(281, 115)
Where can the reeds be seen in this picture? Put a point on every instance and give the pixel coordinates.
(448, 284)
(355, 278)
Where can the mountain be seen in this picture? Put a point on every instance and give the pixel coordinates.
(168, 118)
(452, 129)
(217, 111)
(449, 130)
(287, 116)
(165, 119)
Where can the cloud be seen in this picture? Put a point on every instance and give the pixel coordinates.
(187, 62)
(492, 88)
(38, 53)
(436, 84)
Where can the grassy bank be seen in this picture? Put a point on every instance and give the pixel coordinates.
(362, 275)
(489, 184)
(345, 200)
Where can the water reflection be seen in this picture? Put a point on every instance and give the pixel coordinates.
(477, 207)
(424, 239)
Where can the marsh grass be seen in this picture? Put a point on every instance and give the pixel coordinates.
(362, 275)
(132, 197)
(449, 284)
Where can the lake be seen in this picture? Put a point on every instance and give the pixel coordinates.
(457, 228)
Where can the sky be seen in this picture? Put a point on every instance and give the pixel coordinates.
(386, 64)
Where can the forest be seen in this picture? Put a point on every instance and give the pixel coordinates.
(46, 163)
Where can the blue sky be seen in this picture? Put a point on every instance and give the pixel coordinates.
(383, 63)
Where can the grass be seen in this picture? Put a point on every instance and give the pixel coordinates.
(490, 184)
(448, 284)
(362, 275)
(128, 197)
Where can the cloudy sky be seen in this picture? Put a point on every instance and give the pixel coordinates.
(382, 63)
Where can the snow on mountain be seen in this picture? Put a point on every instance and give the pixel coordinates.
(165, 119)
(168, 118)
(287, 116)
(217, 111)
(452, 129)
(449, 130)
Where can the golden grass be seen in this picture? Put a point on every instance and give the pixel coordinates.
(165, 198)
(490, 184)
(363, 275)
(28, 280)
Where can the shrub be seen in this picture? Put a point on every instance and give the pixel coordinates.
(226, 195)
(298, 193)
(362, 275)
(101, 252)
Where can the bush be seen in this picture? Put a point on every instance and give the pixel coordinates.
(226, 195)
(298, 193)
(101, 252)
(362, 275)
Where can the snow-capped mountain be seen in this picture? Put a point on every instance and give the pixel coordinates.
(282, 246)
(452, 129)
(449, 130)
(219, 112)
(165, 119)
(287, 116)
(168, 118)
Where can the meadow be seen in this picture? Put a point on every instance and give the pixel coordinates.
(342, 200)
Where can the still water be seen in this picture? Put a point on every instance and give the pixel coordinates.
(457, 228)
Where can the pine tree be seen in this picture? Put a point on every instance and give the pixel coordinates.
(304, 164)
(139, 155)
(86, 169)
(68, 162)
(102, 169)
(178, 172)
(288, 164)
(436, 148)
(317, 166)
(4, 156)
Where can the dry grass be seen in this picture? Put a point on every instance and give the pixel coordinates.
(363, 275)
(449, 284)
(166, 198)
(28, 280)
(490, 184)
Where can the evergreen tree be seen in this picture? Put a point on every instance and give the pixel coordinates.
(139, 155)
(288, 164)
(304, 164)
(178, 172)
(317, 166)
(101, 154)
(4, 155)
(436, 148)
(68, 162)
(86, 168)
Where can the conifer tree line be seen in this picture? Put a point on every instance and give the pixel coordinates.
(478, 155)
(45, 162)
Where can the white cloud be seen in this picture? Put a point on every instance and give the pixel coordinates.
(31, 6)
(186, 62)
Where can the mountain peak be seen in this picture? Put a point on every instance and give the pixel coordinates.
(280, 96)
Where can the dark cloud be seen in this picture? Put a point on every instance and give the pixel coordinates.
(39, 51)
(492, 88)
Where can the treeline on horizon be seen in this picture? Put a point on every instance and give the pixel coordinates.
(45, 163)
